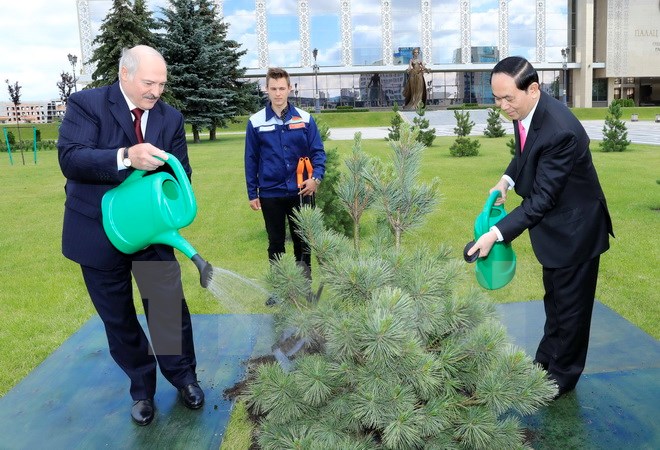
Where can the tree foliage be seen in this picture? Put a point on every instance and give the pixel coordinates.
(15, 97)
(327, 200)
(615, 133)
(125, 26)
(426, 135)
(395, 129)
(463, 145)
(203, 66)
(494, 128)
(398, 357)
(65, 86)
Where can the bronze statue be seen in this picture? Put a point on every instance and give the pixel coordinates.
(415, 90)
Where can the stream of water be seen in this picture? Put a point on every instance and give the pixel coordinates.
(235, 291)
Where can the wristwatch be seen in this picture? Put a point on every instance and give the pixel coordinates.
(316, 180)
(126, 160)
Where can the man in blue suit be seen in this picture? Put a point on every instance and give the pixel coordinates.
(106, 134)
(563, 207)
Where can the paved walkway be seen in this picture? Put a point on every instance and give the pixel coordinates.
(443, 121)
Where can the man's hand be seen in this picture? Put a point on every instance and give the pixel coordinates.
(308, 187)
(484, 244)
(503, 187)
(255, 204)
(145, 156)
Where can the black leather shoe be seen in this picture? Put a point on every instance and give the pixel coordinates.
(192, 396)
(142, 412)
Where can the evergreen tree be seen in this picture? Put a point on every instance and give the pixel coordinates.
(494, 128)
(615, 133)
(403, 201)
(123, 27)
(398, 356)
(512, 146)
(204, 68)
(238, 96)
(327, 200)
(463, 145)
(396, 122)
(426, 136)
(188, 46)
(353, 190)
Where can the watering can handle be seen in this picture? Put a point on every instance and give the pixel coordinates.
(180, 175)
(482, 224)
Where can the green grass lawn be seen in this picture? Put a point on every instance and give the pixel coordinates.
(43, 299)
(349, 120)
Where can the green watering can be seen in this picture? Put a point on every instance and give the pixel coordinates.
(498, 268)
(145, 210)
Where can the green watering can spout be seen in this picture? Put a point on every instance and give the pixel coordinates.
(145, 210)
(498, 268)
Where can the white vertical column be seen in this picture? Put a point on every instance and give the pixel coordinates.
(346, 34)
(303, 28)
(85, 33)
(262, 33)
(427, 34)
(465, 32)
(386, 31)
(540, 30)
(503, 29)
(617, 38)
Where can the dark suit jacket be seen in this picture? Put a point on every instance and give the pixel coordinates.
(563, 204)
(97, 123)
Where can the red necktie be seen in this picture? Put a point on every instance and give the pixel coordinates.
(523, 135)
(137, 124)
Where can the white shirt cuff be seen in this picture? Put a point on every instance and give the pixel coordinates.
(120, 159)
(497, 232)
(510, 181)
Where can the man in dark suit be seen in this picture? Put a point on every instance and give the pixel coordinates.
(563, 207)
(107, 133)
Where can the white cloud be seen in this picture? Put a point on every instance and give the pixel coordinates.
(37, 35)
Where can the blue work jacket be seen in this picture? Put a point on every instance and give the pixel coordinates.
(273, 148)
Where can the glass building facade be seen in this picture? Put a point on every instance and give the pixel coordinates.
(357, 41)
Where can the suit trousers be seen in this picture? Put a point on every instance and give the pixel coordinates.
(168, 320)
(568, 303)
(277, 211)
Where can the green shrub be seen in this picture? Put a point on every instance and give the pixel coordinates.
(512, 146)
(615, 133)
(335, 216)
(494, 128)
(426, 135)
(395, 129)
(623, 102)
(463, 145)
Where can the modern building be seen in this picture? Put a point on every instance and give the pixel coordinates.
(588, 52)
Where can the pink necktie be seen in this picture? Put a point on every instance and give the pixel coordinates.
(523, 135)
(137, 124)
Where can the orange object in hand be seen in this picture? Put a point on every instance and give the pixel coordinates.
(304, 164)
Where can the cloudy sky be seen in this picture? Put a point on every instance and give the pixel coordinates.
(37, 35)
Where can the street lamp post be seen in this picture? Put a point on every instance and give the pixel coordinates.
(565, 52)
(73, 59)
(317, 106)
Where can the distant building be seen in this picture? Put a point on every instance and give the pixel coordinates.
(475, 86)
(32, 112)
